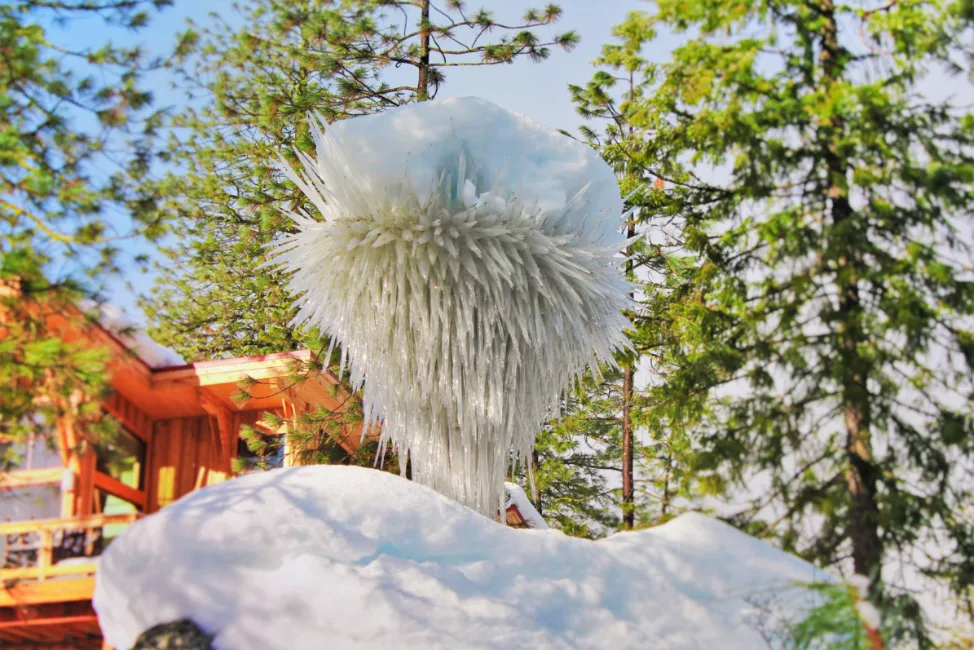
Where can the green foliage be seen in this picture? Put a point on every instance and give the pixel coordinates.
(577, 463)
(59, 180)
(843, 619)
(41, 374)
(835, 623)
(76, 131)
(315, 435)
(252, 76)
(815, 339)
(662, 472)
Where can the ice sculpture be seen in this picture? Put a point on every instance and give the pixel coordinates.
(467, 260)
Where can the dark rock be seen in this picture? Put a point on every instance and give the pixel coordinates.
(183, 634)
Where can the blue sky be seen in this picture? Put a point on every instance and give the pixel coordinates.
(537, 90)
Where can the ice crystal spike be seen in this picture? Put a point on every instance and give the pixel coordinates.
(467, 260)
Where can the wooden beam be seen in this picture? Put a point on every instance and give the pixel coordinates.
(228, 374)
(68, 441)
(232, 371)
(52, 621)
(24, 478)
(133, 419)
(49, 610)
(85, 499)
(68, 523)
(43, 572)
(223, 417)
(49, 591)
(298, 407)
(116, 488)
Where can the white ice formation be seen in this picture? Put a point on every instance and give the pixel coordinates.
(467, 261)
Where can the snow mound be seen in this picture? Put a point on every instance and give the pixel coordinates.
(114, 320)
(352, 558)
(467, 260)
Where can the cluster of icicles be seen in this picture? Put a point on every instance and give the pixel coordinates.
(464, 315)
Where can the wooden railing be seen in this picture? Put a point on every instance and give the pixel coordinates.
(33, 545)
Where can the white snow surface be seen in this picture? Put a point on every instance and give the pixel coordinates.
(467, 261)
(131, 335)
(352, 558)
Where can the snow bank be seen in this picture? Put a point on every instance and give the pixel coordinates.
(352, 558)
(468, 261)
(115, 321)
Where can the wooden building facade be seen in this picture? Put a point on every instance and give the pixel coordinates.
(180, 431)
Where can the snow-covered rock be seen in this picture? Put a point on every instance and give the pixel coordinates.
(352, 558)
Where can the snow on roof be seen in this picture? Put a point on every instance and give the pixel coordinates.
(515, 496)
(354, 558)
(114, 320)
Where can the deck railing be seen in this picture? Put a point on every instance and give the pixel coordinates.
(32, 549)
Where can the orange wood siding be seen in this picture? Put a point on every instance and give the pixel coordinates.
(129, 415)
(185, 456)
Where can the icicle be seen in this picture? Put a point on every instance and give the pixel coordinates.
(465, 311)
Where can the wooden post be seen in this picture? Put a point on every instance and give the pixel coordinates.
(45, 553)
(222, 417)
(67, 440)
(86, 482)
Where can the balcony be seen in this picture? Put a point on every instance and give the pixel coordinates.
(48, 576)
(42, 549)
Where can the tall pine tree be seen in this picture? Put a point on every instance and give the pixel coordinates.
(76, 135)
(642, 446)
(827, 320)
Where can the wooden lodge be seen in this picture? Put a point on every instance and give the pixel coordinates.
(181, 428)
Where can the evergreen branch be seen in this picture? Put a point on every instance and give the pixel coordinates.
(20, 212)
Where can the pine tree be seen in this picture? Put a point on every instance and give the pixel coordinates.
(651, 448)
(578, 461)
(253, 80)
(75, 144)
(827, 206)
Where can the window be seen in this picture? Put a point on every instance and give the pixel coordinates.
(123, 459)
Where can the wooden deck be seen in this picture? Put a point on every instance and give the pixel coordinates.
(30, 547)
(44, 603)
(53, 625)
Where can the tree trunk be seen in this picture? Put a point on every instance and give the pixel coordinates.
(422, 93)
(861, 472)
(664, 509)
(628, 497)
(628, 511)
(536, 493)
